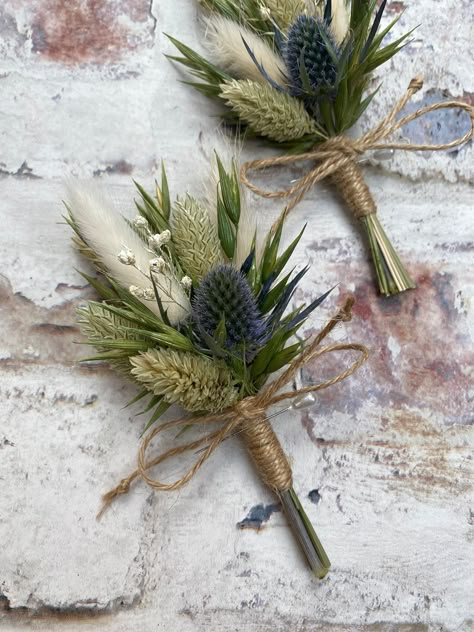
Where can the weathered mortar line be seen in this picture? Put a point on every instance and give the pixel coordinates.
(23, 172)
(81, 612)
(154, 19)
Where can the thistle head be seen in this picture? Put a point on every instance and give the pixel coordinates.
(225, 296)
(307, 55)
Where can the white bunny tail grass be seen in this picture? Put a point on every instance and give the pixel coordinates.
(340, 19)
(107, 235)
(245, 233)
(225, 42)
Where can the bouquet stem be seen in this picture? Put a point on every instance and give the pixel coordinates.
(274, 469)
(391, 274)
(305, 533)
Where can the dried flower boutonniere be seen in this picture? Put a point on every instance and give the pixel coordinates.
(296, 73)
(200, 314)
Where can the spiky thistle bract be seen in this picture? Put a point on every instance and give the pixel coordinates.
(311, 56)
(225, 308)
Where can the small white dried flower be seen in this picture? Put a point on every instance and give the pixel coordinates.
(265, 12)
(187, 282)
(156, 241)
(140, 221)
(127, 257)
(165, 236)
(136, 291)
(158, 264)
(149, 294)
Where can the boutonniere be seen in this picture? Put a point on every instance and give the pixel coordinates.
(201, 313)
(297, 74)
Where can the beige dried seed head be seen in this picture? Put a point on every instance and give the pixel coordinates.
(195, 238)
(267, 111)
(195, 382)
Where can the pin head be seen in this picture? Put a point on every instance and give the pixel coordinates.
(383, 154)
(304, 401)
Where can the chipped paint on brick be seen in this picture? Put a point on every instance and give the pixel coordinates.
(97, 31)
(405, 334)
(258, 516)
(36, 335)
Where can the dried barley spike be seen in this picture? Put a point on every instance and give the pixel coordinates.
(195, 382)
(267, 111)
(195, 238)
(284, 12)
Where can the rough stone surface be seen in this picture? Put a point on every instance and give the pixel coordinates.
(384, 467)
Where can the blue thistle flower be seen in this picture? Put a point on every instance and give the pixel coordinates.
(307, 45)
(225, 295)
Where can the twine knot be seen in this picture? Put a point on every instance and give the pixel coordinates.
(336, 157)
(249, 409)
(248, 418)
(416, 84)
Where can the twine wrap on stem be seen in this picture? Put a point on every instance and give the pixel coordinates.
(336, 158)
(267, 453)
(246, 418)
(350, 182)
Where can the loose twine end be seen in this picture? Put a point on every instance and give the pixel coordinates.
(107, 499)
(416, 84)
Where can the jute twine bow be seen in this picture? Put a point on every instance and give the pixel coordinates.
(248, 418)
(336, 157)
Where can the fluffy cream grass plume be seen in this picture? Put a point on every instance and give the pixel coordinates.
(106, 233)
(340, 19)
(227, 49)
(195, 382)
(245, 233)
(268, 112)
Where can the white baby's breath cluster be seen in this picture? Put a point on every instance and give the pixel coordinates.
(187, 282)
(140, 222)
(127, 257)
(143, 293)
(159, 240)
(158, 264)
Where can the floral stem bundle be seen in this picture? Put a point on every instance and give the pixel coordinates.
(296, 73)
(199, 313)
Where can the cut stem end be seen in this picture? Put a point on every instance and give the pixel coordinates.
(305, 533)
(391, 274)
